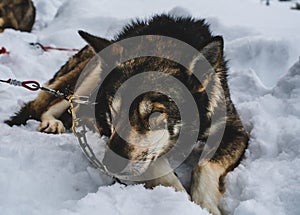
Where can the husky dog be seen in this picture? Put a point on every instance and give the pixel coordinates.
(17, 14)
(151, 109)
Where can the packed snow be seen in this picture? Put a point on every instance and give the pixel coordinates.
(44, 174)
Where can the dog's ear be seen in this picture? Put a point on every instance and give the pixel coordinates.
(210, 58)
(97, 43)
(213, 51)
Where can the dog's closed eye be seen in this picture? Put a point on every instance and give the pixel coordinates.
(157, 121)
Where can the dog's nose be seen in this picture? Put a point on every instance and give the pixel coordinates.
(116, 155)
(114, 162)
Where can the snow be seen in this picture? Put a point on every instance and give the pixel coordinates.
(48, 174)
(118, 199)
(269, 177)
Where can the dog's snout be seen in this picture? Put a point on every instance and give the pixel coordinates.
(116, 156)
(114, 162)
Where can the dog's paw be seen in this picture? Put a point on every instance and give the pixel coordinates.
(53, 126)
(213, 209)
(205, 187)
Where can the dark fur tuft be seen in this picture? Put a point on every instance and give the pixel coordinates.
(194, 32)
(22, 116)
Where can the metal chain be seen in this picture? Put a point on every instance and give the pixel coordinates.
(56, 93)
(15, 82)
(79, 130)
(34, 86)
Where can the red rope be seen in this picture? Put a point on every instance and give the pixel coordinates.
(29, 85)
(48, 48)
(34, 86)
(3, 51)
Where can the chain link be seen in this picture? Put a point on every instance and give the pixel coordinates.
(79, 130)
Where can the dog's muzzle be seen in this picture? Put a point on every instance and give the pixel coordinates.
(116, 154)
(114, 162)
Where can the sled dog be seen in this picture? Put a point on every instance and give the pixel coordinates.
(207, 178)
(17, 14)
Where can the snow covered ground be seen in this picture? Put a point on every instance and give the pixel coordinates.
(47, 174)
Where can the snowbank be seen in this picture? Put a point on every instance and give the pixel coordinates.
(267, 181)
(135, 200)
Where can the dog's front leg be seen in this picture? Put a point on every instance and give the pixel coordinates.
(205, 186)
(49, 119)
(208, 176)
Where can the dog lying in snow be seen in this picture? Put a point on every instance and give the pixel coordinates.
(207, 178)
(17, 14)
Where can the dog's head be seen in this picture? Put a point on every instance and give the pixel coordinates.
(148, 127)
(154, 125)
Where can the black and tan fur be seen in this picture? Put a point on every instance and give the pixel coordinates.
(17, 14)
(152, 112)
